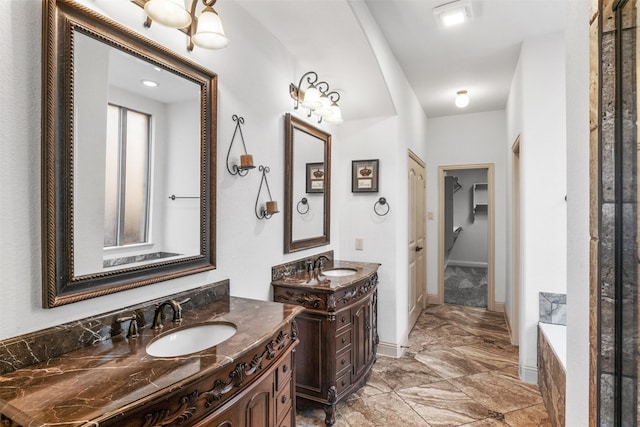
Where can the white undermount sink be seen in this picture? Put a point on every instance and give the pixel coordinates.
(339, 272)
(191, 339)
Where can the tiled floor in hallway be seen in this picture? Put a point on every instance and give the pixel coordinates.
(460, 370)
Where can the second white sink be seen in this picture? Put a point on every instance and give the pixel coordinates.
(339, 272)
(191, 339)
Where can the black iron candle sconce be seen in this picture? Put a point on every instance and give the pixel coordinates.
(246, 160)
(381, 207)
(271, 206)
(302, 204)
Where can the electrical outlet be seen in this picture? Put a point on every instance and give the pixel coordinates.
(359, 244)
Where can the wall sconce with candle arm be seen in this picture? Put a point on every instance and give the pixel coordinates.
(204, 31)
(317, 98)
(271, 206)
(246, 160)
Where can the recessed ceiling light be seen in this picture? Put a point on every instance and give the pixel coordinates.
(149, 83)
(453, 13)
(462, 98)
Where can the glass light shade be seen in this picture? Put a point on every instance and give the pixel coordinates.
(311, 98)
(170, 13)
(462, 99)
(324, 109)
(335, 116)
(209, 32)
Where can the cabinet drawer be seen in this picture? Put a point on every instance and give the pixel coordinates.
(286, 421)
(343, 382)
(343, 361)
(343, 320)
(283, 402)
(283, 373)
(343, 340)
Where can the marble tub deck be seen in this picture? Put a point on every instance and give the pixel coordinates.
(460, 370)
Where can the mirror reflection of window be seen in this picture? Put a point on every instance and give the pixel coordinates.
(126, 219)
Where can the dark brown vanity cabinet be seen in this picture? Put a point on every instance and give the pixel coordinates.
(267, 403)
(338, 339)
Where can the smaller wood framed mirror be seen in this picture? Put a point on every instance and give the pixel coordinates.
(307, 185)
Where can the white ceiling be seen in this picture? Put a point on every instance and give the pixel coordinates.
(481, 56)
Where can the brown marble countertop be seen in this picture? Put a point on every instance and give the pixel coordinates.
(330, 283)
(89, 384)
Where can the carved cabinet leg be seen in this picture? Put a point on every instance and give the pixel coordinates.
(330, 410)
(330, 415)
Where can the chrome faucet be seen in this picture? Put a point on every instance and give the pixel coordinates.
(177, 312)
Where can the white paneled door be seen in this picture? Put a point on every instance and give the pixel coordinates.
(417, 238)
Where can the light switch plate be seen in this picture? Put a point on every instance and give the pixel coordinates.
(359, 244)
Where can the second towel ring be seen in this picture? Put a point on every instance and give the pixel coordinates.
(379, 206)
(304, 202)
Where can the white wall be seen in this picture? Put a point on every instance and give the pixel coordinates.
(89, 160)
(577, 77)
(465, 140)
(389, 139)
(536, 110)
(247, 247)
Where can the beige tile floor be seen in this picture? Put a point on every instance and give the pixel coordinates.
(459, 370)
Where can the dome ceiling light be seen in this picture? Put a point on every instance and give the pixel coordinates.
(453, 13)
(462, 98)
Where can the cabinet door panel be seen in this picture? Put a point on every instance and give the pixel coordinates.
(259, 409)
(310, 354)
(362, 337)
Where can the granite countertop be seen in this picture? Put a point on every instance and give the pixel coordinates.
(93, 382)
(331, 283)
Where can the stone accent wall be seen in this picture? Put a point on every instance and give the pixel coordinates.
(614, 220)
(552, 382)
(553, 308)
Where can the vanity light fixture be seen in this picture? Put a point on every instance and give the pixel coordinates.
(246, 160)
(462, 98)
(204, 31)
(317, 98)
(453, 13)
(271, 206)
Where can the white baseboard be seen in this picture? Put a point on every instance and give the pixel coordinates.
(390, 349)
(529, 374)
(498, 307)
(453, 262)
(508, 322)
(433, 299)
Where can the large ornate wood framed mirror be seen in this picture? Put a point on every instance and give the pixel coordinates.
(128, 170)
(307, 185)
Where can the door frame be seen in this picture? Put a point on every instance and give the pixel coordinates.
(491, 304)
(423, 285)
(513, 318)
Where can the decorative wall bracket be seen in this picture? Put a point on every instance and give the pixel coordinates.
(271, 206)
(246, 160)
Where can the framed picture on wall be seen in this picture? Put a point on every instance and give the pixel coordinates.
(315, 177)
(364, 176)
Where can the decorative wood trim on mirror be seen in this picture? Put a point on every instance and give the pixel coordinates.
(290, 245)
(61, 20)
